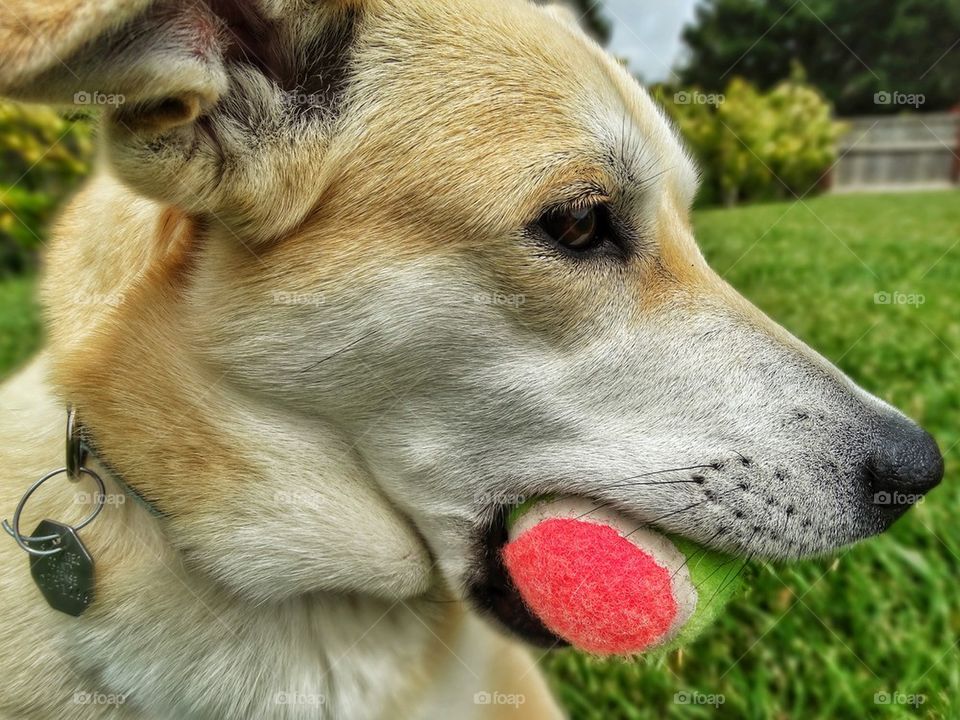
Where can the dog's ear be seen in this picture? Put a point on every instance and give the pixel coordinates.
(215, 106)
(156, 64)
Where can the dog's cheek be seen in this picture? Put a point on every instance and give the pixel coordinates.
(319, 524)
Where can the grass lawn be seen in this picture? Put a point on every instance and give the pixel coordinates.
(817, 639)
(19, 322)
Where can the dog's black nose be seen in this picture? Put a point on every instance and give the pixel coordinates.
(905, 464)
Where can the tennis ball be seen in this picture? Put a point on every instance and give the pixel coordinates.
(608, 587)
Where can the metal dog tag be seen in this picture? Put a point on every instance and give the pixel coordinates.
(66, 578)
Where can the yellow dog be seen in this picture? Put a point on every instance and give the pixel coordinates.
(370, 271)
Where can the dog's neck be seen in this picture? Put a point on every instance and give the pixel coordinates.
(272, 503)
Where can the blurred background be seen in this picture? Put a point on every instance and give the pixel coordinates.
(829, 137)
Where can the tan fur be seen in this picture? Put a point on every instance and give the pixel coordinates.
(36, 36)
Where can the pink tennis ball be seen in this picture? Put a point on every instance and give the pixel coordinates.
(604, 585)
(592, 587)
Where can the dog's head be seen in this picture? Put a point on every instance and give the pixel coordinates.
(455, 238)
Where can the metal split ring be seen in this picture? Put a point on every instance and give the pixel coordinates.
(23, 541)
(77, 449)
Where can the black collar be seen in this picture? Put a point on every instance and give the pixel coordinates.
(81, 446)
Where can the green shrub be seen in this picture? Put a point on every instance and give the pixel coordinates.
(43, 155)
(755, 145)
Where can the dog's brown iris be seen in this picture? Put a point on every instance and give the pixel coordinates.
(577, 229)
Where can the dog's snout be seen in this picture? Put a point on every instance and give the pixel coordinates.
(905, 463)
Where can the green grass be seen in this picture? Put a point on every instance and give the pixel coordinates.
(19, 322)
(816, 639)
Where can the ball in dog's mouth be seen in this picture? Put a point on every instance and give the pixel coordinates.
(570, 571)
(494, 593)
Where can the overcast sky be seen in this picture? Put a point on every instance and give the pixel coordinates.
(647, 33)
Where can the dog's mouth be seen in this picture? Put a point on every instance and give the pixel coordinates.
(493, 593)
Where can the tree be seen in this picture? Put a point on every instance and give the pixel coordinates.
(43, 156)
(870, 56)
(756, 145)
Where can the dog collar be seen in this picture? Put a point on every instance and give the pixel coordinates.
(81, 446)
(60, 564)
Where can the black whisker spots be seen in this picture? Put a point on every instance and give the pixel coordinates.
(653, 522)
(663, 517)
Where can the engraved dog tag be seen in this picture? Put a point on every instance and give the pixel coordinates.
(65, 579)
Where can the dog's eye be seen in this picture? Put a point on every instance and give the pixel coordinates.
(580, 229)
